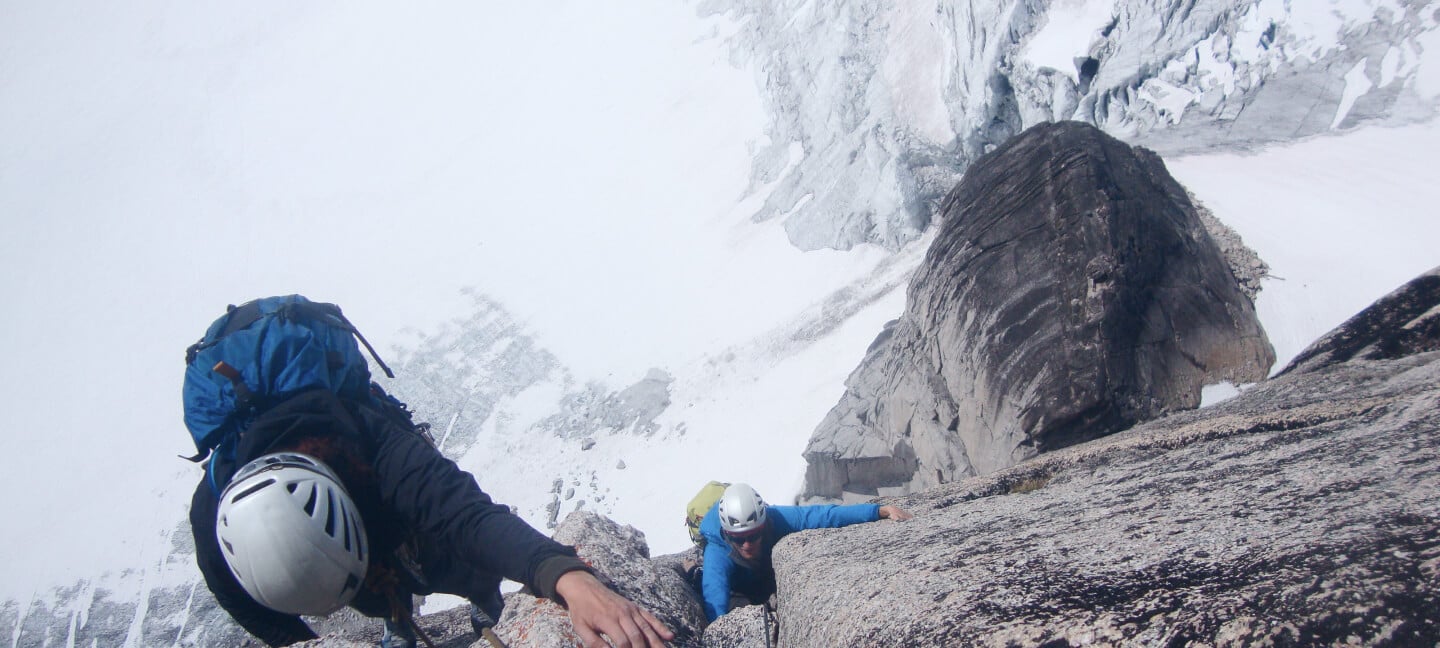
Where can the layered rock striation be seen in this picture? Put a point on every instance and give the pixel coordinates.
(1071, 292)
(1302, 512)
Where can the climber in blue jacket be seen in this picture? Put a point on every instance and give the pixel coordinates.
(741, 529)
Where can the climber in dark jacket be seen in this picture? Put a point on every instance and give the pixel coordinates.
(336, 503)
(740, 530)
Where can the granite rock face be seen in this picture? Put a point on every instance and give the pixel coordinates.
(1071, 292)
(1301, 512)
(743, 627)
(621, 558)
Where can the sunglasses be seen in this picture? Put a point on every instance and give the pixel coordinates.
(738, 539)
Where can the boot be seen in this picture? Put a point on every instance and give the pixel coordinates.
(479, 620)
(397, 635)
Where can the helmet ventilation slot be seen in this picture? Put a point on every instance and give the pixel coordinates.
(251, 490)
(329, 513)
(310, 504)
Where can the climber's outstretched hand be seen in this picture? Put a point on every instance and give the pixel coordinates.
(888, 512)
(596, 610)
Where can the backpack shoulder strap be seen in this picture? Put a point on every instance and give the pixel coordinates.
(380, 413)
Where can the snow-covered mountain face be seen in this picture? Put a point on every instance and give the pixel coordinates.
(637, 322)
(890, 102)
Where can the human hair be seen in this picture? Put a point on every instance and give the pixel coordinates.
(341, 453)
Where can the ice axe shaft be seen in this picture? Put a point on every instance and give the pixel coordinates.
(493, 638)
(485, 626)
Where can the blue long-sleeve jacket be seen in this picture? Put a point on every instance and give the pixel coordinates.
(723, 571)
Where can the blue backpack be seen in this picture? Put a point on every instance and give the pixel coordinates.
(259, 354)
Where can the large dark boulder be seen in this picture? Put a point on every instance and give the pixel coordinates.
(1302, 512)
(1071, 292)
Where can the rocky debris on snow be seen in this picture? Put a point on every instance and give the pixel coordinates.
(1301, 512)
(877, 108)
(458, 376)
(632, 410)
(92, 613)
(461, 377)
(1071, 292)
(552, 508)
(1247, 266)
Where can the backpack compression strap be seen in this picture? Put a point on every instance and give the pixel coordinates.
(248, 313)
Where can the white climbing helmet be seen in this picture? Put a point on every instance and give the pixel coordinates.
(741, 509)
(292, 536)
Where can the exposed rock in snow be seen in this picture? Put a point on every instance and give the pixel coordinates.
(1071, 292)
(1247, 266)
(888, 103)
(459, 375)
(632, 410)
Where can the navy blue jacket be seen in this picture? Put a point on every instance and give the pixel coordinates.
(412, 496)
(724, 570)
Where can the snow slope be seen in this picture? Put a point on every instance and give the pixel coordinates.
(1341, 220)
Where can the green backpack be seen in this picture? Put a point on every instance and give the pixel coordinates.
(699, 506)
